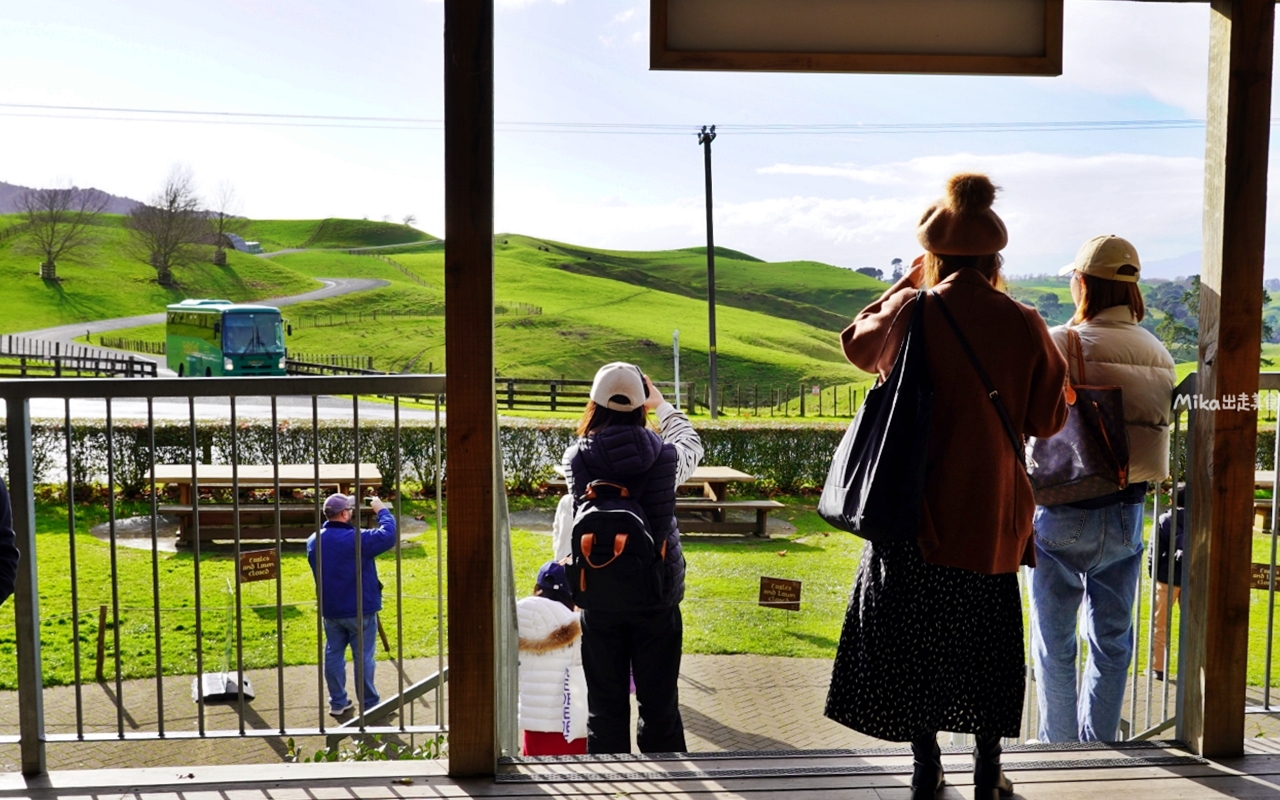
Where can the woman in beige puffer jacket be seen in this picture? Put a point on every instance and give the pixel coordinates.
(1092, 550)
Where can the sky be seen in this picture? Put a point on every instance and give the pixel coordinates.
(846, 199)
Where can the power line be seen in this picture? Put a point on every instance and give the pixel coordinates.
(271, 119)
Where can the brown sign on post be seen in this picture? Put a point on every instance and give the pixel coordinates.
(1260, 576)
(780, 593)
(259, 565)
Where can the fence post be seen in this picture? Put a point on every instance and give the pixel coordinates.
(26, 595)
(511, 394)
(553, 395)
(801, 394)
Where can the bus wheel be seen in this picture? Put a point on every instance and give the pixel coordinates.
(208, 373)
(182, 368)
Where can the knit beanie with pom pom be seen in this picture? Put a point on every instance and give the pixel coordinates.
(962, 223)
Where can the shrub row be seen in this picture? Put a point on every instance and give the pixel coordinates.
(784, 457)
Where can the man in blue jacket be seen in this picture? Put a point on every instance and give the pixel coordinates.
(350, 599)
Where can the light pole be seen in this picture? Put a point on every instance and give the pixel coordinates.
(705, 137)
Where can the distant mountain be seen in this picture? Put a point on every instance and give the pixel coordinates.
(9, 200)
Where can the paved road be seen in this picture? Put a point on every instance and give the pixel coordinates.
(333, 287)
(286, 251)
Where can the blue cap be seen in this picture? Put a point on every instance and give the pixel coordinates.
(554, 583)
(337, 503)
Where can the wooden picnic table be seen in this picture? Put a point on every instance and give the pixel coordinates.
(709, 513)
(257, 520)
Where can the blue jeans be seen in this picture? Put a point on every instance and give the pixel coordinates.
(1092, 556)
(339, 633)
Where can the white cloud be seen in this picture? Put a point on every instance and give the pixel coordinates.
(1051, 203)
(525, 3)
(1157, 49)
(624, 15)
(607, 41)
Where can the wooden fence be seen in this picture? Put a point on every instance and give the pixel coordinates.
(132, 345)
(22, 357)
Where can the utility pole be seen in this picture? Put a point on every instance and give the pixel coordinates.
(675, 347)
(705, 137)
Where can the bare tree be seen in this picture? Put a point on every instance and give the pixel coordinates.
(59, 224)
(224, 220)
(409, 220)
(167, 230)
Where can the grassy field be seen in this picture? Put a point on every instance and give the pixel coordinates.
(721, 613)
(111, 284)
(584, 320)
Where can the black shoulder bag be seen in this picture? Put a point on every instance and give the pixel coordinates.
(875, 486)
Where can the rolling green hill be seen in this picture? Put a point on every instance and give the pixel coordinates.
(819, 295)
(285, 234)
(582, 320)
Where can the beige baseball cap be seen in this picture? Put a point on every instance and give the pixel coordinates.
(619, 386)
(1108, 257)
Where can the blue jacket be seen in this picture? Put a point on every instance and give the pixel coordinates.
(8, 551)
(338, 541)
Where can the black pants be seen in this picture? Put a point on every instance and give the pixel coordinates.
(646, 646)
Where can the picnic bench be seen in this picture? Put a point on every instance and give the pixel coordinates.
(709, 513)
(298, 518)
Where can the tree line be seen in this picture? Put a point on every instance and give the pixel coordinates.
(174, 227)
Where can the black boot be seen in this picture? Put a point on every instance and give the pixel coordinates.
(989, 782)
(926, 775)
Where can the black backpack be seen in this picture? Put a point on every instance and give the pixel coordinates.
(614, 562)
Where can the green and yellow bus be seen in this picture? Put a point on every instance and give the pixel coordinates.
(218, 337)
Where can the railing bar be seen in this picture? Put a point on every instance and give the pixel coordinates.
(361, 677)
(440, 599)
(1153, 542)
(75, 581)
(195, 551)
(1136, 623)
(115, 570)
(155, 567)
(95, 389)
(275, 488)
(235, 566)
(399, 564)
(1271, 573)
(319, 565)
(1178, 441)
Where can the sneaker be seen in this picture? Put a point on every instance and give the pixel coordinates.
(1158, 673)
(336, 713)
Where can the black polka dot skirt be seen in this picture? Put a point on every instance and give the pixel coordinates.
(927, 648)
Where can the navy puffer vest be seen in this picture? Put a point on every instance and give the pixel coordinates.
(637, 458)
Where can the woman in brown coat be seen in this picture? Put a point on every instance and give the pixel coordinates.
(933, 635)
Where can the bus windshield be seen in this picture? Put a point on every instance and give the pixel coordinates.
(251, 333)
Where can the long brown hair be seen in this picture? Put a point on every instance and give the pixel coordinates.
(938, 267)
(596, 418)
(1099, 294)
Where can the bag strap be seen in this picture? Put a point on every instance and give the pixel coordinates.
(1073, 342)
(1014, 439)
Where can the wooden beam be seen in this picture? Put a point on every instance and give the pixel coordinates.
(1214, 645)
(468, 281)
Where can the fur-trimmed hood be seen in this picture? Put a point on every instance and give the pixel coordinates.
(546, 625)
(564, 636)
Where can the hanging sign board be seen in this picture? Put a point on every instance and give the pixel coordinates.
(990, 37)
(1260, 576)
(780, 593)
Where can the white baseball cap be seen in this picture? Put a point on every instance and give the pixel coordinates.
(1108, 257)
(619, 386)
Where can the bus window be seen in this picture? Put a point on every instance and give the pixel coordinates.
(251, 333)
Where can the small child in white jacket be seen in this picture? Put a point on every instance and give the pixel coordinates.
(553, 688)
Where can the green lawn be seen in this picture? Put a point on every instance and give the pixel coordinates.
(721, 614)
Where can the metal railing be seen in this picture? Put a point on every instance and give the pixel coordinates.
(163, 620)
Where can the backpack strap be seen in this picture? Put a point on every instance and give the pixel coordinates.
(591, 494)
(589, 540)
(1014, 439)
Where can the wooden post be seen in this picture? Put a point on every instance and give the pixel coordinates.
(1216, 626)
(470, 470)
